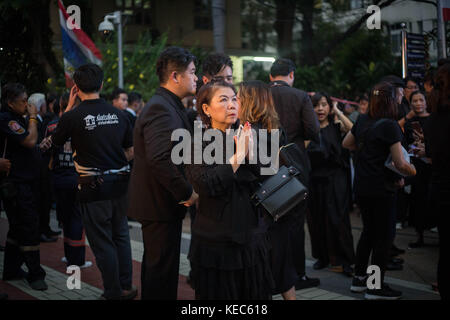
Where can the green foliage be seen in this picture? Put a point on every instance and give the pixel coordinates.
(139, 65)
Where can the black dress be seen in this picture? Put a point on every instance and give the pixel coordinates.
(422, 215)
(229, 251)
(328, 214)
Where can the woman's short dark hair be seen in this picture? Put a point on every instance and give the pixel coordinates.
(416, 92)
(316, 98)
(382, 102)
(214, 63)
(173, 59)
(282, 67)
(440, 96)
(88, 78)
(10, 92)
(205, 95)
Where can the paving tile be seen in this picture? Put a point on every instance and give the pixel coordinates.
(57, 297)
(314, 293)
(328, 296)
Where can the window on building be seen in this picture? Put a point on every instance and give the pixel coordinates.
(396, 42)
(356, 4)
(140, 11)
(202, 15)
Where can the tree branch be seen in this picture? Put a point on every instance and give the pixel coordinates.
(352, 29)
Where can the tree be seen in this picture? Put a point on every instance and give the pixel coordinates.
(25, 36)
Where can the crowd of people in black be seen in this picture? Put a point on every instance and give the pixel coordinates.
(103, 163)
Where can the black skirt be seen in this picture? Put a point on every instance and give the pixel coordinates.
(230, 271)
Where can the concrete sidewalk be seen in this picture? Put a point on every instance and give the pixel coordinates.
(413, 281)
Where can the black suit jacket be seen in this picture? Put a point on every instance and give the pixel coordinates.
(297, 116)
(157, 185)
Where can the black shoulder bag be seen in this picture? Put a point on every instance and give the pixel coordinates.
(283, 191)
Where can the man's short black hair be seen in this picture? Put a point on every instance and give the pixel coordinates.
(88, 78)
(116, 93)
(134, 96)
(282, 67)
(214, 63)
(415, 80)
(10, 92)
(173, 59)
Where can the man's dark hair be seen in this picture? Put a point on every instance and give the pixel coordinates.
(282, 67)
(88, 78)
(415, 80)
(214, 63)
(173, 59)
(134, 96)
(394, 80)
(117, 92)
(10, 92)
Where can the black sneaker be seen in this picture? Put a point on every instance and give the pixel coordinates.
(358, 285)
(319, 264)
(38, 285)
(385, 293)
(305, 283)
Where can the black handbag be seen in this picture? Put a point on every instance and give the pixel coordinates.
(280, 193)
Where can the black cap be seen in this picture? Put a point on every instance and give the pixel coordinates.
(394, 80)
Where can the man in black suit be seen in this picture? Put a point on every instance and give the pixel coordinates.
(298, 119)
(158, 188)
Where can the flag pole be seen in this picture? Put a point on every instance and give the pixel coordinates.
(442, 52)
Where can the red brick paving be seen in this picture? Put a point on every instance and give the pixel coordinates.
(51, 254)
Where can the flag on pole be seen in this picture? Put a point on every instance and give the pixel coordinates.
(445, 4)
(78, 48)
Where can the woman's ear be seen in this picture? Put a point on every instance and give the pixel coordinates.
(205, 109)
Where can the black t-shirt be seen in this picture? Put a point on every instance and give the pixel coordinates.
(62, 166)
(438, 147)
(374, 140)
(24, 161)
(99, 133)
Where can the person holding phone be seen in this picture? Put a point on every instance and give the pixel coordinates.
(421, 212)
(374, 136)
(19, 145)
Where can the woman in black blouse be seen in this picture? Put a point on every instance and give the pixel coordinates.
(329, 207)
(374, 136)
(229, 250)
(439, 150)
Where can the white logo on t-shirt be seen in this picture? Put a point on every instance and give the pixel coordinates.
(101, 119)
(90, 122)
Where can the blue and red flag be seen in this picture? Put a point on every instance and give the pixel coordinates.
(78, 48)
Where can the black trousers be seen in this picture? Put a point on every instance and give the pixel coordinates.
(68, 209)
(107, 230)
(44, 200)
(376, 214)
(441, 196)
(297, 234)
(160, 264)
(22, 242)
